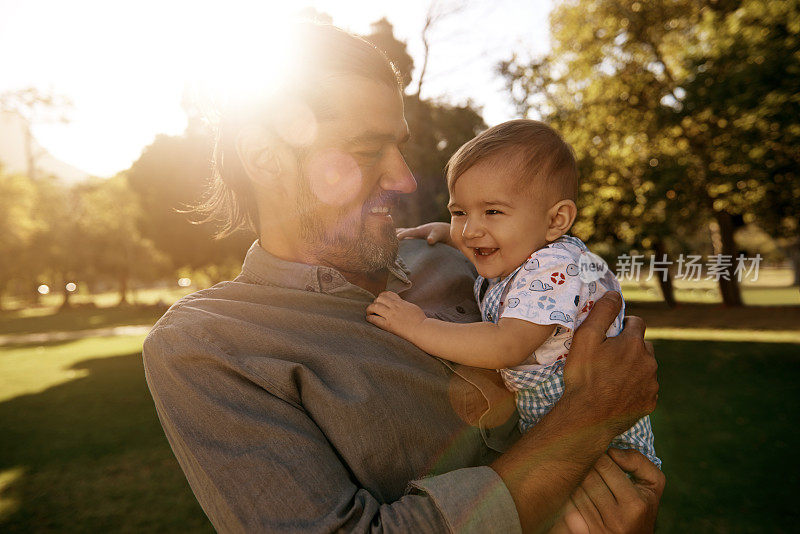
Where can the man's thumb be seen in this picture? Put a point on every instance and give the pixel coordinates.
(603, 313)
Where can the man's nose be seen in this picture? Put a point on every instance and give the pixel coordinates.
(472, 228)
(396, 175)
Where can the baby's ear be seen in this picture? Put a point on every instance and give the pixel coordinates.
(560, 218)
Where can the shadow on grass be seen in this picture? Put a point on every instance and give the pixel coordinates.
(717, 316)
(90, 456)
(35, 344)
(82, 318)
(726, 429)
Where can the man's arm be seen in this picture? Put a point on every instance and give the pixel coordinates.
(257, 462)
(609, 384)
(491, 346)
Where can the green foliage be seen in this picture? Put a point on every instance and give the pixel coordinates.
(112, 244)
(676, 114)
(168, 178)
(51, 233)
(17, 225)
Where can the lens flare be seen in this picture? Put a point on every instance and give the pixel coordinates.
(334, 177)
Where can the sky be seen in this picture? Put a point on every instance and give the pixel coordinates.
(124, 65)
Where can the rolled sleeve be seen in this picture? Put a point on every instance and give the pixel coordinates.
(471, 500)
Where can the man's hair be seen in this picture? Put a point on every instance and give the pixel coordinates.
(318, 53)
(543, 159)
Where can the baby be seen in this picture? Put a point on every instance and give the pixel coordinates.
(512, 201)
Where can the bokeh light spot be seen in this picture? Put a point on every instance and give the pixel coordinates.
(43, 289)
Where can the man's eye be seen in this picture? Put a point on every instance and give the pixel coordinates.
(457, 213)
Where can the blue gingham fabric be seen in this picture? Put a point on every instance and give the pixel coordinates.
(547, 289)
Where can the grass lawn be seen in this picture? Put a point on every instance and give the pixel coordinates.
(35, 320)
(88, 312)
(82, 449)
(772, 288)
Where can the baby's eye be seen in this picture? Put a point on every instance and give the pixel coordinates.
(494, 212)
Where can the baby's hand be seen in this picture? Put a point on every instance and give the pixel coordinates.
(435, 232)
(395, 315)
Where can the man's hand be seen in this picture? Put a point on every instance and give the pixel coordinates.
(435, 232)
(615, 378)
(609, 502)
(395, 315)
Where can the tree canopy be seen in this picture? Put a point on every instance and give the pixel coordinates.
(681, 112)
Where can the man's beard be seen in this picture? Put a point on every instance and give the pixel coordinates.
(346, 243)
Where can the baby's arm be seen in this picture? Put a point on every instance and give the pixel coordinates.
(493, 346)
(435, 232)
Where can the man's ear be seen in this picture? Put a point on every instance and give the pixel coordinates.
(560, 218)
(261, 155)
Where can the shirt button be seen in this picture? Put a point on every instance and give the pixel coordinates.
(460, 309)
(309, 288)
(327, 278)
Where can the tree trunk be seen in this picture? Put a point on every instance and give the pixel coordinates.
(123, 289)
(3, 286)
(65, 303)
(729, 289)
(665, 282)
(794, 258)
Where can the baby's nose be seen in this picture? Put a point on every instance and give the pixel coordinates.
(472, 229)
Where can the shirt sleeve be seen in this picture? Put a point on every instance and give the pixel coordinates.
(545, 291)
(256, 461)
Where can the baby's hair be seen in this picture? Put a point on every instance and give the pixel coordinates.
(543, 158)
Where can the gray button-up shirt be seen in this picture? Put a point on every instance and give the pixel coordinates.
(289, 412)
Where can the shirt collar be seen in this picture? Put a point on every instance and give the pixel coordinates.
(263, 268)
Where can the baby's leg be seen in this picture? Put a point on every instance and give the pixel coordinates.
(639, 437)
(536, 393)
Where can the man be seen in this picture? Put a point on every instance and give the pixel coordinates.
(289, 412)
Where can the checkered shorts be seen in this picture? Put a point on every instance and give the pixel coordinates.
(538, 391)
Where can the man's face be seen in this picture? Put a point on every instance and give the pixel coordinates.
(351, 176)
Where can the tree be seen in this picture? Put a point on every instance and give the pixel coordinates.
(168, 178)
(17, 226)
(666, 120)
(34, 106)
(108, 215)
(56, 250)
(437, 131)
(382, 36)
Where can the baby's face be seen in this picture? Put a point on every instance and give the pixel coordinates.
(494, 224)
